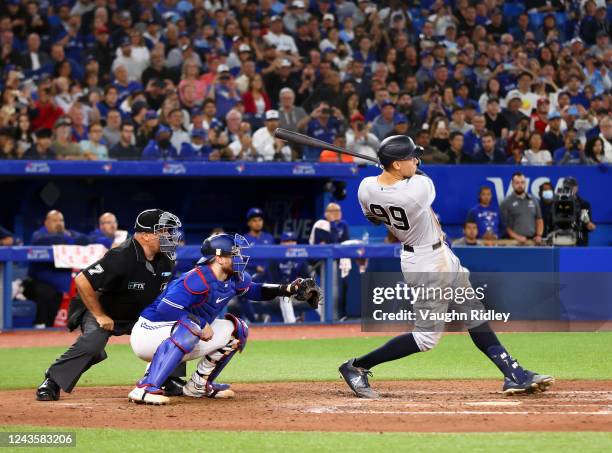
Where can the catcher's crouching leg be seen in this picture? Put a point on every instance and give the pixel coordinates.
(202, 382)
(183, 339)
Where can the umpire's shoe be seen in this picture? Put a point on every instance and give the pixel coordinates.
(357, 379)
(48, 390)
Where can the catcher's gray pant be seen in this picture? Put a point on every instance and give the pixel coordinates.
(88, 350)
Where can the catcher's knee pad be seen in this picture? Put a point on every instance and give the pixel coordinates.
(186, 334)
(241, 331)
(426, 340)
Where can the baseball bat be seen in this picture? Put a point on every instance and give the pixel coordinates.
(301, 139)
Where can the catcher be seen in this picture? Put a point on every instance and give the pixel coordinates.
(181, 324)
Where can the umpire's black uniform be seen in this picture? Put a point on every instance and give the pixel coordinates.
(125, 283)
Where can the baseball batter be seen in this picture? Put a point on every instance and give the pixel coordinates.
(401, 198)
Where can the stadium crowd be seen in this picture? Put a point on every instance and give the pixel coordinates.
(482, 81)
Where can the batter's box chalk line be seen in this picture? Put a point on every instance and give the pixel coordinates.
(334, 410)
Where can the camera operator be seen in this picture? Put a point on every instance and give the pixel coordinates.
(584, 225)
(547, 196)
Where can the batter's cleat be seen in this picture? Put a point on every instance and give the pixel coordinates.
(512, 388)
(148, 395)
(544, 381)
(357, 380)
(208, 390)
(174, 386)
(48, 390)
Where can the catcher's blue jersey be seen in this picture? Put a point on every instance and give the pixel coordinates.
(198, 292)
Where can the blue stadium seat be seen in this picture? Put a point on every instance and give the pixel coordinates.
(513, 10)
(536, 19)
(561, 19)
(418, 24)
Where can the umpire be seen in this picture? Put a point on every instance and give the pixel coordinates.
(111, 294)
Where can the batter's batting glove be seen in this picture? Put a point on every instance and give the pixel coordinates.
(305, 289)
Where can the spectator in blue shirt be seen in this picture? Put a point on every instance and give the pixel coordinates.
(576, 95)
(110, 101)
(490, 153)
(122, 83)
(384, 123)
(570, 152)
(224, 91)
(325, 124)
(105, 233)
(160, 147)
(379, 97)
(45, 284)
(472, 143)
(197, 149)
(485, 215)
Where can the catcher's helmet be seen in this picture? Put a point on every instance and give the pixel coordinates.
(226, 244)
(398, 147)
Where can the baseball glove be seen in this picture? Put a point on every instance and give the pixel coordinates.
(307, 290)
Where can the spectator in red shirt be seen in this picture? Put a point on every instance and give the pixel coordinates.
(256, 101)
(539, 118)
(45, 112)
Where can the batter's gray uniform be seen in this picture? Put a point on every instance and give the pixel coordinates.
(405, 209)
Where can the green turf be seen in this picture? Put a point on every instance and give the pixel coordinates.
(565, 355)
(111, 440)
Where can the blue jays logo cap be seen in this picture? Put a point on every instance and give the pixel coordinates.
(254, 212)
(288, 236)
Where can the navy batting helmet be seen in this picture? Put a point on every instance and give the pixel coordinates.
(398, 147)
(226, 244)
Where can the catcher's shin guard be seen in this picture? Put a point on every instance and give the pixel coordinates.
(184, 337)
(202, 382)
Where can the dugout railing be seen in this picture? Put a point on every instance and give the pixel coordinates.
(187, 255)
(593, 260)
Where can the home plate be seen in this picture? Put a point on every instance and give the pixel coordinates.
(494, 403)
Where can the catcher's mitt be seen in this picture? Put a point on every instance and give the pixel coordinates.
(307, 290)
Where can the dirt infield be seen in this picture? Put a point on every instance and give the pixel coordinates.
(414, 406)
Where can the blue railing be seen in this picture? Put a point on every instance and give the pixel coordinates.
(189, 254)
(478, 259)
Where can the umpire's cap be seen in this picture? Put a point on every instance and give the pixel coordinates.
(397, 147)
